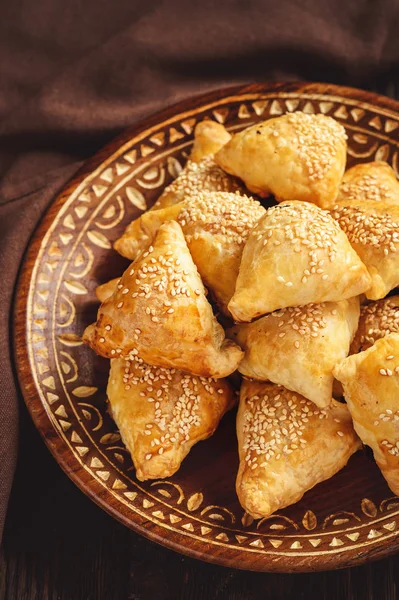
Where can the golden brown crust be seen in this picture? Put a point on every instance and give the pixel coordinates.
(377, 320)
(160, 311)
(162, 413)
(105, 290)
(287, 446)
(216, 226)
(296, 155)
(209, 137)
(371, 388)
(373, 230)
(374, 181)
(298, 347)
(297, 254)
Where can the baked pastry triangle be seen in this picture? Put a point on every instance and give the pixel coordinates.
(373, 230)
(377, 320)
(371, 387)
(161, 413)
(296, 155)
(298, 347)
(160, 312)
(297, 254)
(287, 445)
(373, 181)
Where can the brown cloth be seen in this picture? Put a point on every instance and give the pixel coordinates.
(73, 74)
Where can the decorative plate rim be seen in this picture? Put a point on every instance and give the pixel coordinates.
(42, 421)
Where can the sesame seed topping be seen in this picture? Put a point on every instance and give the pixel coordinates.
(360, 186)
(391, 448)
(377, 230)
(305, 227)
(377, 320)
(305, 321)
(176, 398)
(228, 216)
(204, 176)
(274, 424)
(316, 139)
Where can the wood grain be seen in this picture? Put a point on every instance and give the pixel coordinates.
(361, 488)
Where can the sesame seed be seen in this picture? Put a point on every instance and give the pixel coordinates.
(175, 420)
(316, 139)
(361, 186)
(377, 320)
(304, 226)
(204, 176)
(340, 433)
(375, 230)
(229, 216)
(274, 423)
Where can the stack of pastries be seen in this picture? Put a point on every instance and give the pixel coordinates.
(304, 292)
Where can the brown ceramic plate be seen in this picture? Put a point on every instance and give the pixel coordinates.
(344, 521)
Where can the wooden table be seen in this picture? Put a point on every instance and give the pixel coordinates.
(58, 545)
